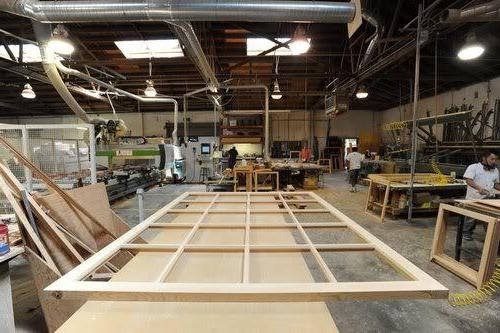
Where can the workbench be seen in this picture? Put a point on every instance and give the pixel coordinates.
(6, 309)
(301, 175)
(388, 192)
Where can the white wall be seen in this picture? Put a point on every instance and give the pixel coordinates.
(485, 91)
(295, 126)
(140, 124)
(292, 126)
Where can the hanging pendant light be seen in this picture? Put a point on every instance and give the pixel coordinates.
(150, 90)
(28, 92)
(362, 92)
(276, 91)
(472, 49)
(59, 42)
(300, 44)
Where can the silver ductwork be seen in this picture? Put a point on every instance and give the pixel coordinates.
(181, 10)
(489, 11)
(368, 17)
(52, 67)
(83, 76)
(43, 32)
(186, 35)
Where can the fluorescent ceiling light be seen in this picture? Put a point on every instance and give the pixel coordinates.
(146, 49)
(256, 46)
(31, 53)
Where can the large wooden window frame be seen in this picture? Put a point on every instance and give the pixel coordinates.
(490, 248)
(415, 283)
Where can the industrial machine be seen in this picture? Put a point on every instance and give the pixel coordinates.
(199, 157)
(135, 162)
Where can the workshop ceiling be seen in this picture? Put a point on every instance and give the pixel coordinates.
(303, 79)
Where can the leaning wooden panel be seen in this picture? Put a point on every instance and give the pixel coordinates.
(167, 285)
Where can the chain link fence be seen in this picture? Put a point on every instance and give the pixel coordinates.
(66, 153)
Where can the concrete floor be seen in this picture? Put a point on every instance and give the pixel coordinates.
(411, 240)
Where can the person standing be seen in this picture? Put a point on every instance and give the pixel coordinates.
(354, 166)
(232, 153)
(481, 178)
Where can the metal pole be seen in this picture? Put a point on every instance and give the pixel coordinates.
(93, 169)
(185, 107)
(26, 152)
(414, 117)
(215, 121)
(266, 108)
(435, 93)
(140, 199)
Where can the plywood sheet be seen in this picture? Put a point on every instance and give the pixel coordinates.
(97, 316)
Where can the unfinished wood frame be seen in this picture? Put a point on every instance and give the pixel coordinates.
(414, 282)
(326, 162)
(247, 173)
(262, 186)
(490, 247)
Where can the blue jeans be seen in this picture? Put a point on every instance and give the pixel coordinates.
(469, 226)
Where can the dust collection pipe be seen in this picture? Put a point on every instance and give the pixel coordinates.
(368, 17)
(266, 108)
(88, 78)
(181, 10)
(52, 65)
(43, 32)
(489, 11)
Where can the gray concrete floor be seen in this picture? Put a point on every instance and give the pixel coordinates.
(411, 240)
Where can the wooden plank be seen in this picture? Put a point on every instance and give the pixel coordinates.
(49, 182)
(55, 311)
(246, 255)
(457, 268)
(62, 251)
(243, 248)
(386, 200)
(255, 225)
(250, 292)
(368, 195)
(26, 225)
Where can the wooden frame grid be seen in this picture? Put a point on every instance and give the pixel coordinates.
(488, 256)
(414, 283)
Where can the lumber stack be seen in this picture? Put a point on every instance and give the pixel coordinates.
(60, 231)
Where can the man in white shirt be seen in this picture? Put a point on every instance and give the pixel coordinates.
(482, 179)
(354, 165)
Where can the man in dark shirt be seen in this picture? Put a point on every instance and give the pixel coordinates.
(233, 153)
